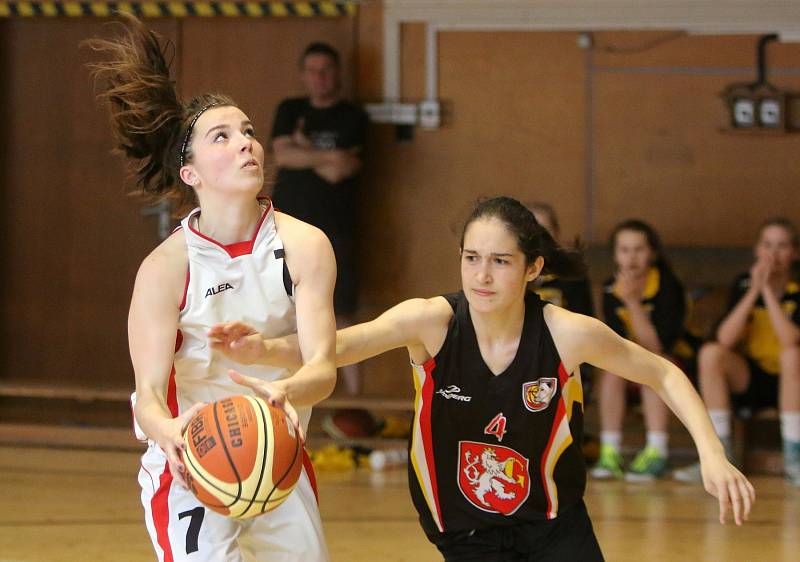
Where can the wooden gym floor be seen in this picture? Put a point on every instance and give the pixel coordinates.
(76, 505)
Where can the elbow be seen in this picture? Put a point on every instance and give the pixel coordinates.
(328, 383)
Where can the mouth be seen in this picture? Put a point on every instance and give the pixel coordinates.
(252, 163)
(483, 292)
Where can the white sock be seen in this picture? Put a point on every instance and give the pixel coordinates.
(721, 420)
(658, 440)
(790, 426)
(612, 439)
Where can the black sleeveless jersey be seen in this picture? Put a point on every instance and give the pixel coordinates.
(487, 449)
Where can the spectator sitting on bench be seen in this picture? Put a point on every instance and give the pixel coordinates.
(755, 361)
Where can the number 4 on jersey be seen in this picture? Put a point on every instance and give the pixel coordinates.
(496, 427)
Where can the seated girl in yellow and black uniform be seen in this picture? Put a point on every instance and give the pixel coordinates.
(755, 361)
(643, 302)
(572, 294)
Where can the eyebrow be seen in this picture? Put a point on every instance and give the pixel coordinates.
(495, 254)
(225, 126)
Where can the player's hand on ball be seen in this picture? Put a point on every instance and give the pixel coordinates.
(239, 342)
(274, 395)
(173, 444)
(724, 481)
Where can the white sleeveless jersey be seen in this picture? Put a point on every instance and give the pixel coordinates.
(245, 281)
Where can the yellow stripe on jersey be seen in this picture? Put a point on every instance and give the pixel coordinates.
(572, 392)
(418, 457)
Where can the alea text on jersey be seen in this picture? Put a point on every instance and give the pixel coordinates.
(218, 289)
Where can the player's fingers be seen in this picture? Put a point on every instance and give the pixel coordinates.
(176, 465)
(243, 380)
(262, 389)
(723, 503)
(187, 416)
(744, 492)
(736, 501)
(295, 419)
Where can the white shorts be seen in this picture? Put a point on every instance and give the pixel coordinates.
(183, 530)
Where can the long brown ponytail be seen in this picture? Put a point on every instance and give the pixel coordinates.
(148, 120)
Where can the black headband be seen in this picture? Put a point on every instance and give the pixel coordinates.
(189, 130)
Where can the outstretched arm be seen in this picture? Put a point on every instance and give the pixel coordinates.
(418, 324)
(581, 339)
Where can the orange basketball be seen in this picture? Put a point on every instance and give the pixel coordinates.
(243, 457)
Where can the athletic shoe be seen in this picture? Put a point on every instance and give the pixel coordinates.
(692, 474)
(609, 464)
(791, 462)
(688, 474)
(648, 465)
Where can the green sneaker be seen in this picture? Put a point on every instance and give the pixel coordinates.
(648, 465)
(609, 465)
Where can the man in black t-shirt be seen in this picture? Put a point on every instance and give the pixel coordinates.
(317, 142)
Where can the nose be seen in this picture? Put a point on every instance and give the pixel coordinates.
(484, 275)
(247, 144)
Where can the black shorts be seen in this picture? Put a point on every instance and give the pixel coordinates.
(569, 536)
(345, 295)
(761, 391)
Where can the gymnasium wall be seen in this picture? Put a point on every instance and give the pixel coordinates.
(72, 238)
(619, 131)
(632, 128)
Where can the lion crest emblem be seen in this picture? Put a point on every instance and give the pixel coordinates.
(493, 478)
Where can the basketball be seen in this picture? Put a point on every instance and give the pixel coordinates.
(243, 457)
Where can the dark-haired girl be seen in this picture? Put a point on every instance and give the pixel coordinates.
(233, 257)
(496, 471)
(645, 303)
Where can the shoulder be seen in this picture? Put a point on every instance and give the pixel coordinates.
(164, 269)
(436, 311)
(668, 277)
(573, 334)
(307, 247)
(299, 234)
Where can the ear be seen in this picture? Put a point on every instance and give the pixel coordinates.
(189, 175)
(533, 270)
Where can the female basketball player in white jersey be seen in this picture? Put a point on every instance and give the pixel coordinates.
(496, 472)
(233, 257)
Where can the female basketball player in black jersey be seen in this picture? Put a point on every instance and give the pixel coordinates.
(496, 472)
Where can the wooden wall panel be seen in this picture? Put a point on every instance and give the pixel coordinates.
(72, 238)
(659, 150)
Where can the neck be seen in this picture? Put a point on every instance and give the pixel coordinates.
(324, 101)
(235, 221)
(499, 325)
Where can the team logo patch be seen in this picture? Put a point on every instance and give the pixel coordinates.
(537, 394)
(492, 477)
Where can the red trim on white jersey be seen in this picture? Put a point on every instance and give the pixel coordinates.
(237, 248)
(185, 291)
(309, 468)
(159, 507)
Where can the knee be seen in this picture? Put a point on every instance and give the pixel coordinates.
(711, 354)
(790, 361)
